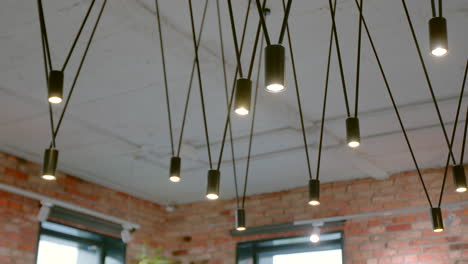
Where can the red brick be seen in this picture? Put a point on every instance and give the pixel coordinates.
(396, 238)
(401, 227)
(16, 174)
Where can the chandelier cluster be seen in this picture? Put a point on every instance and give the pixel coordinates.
(242, 98)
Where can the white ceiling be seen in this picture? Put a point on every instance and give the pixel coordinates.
(115, 132)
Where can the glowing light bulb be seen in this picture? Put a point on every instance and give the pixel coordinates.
(49, 177)
(354, 144)
(174, 178)
(242, 111)
(55, 100)
(439, 52)
(314, 238)
(212, 196)
(314, 203)
(275, 88)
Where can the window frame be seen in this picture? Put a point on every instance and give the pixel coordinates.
(104, 243)
(257, 251)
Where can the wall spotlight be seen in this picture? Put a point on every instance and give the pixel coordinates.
(315, 236)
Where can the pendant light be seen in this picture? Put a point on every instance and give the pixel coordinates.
(314, 192)
(437, 220)
(176, 155)
(353, 137)
(438, 36)
(243, 94)
(240, 220)
(174, 169)
(50, 164)
(55, 84)
(458, 171)
(274, 53)
(274, 68)
(212, 192)
(55, 91)
(459, 178)
(174, 175)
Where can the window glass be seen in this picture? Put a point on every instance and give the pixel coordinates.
(297, 250)
(59, 244)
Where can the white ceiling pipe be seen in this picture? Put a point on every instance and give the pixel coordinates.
(54, 202)
(317, 221)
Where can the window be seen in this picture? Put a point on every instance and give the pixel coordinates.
(297, 250)
(60, 244)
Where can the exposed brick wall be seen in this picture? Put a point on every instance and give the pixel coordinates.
(18, 229)
(200, 231)
(18, 224)
(403, 238)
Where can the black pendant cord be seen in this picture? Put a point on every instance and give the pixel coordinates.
(261, 16)
(234, 37)
(200, 84)
(192, 74)
(166, 87)
(44, 34)
(47, 62)
(440, 8)
(325, 95)
(358, 64)
(433, 8)
(228, 119)
(462, 155)
(254, 52)
(447, 163)
(429, 84)
(57, 129)
(252, 124)
(228, 116)
(226, 92)
(392, 99)
(70, 52)
(298, 96)
(340, 62)
(287, 10)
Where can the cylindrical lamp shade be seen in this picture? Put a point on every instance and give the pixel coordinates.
(438, 36)
(174, 172)
(243, 93)
(274, 68)
(50, 164)
(437, 220)
(55, 87)
(353, 137)
(459, 178)
(240, 220)
(212, 191)
(314, 192)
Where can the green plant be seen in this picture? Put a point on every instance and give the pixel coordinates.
(152, 256)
